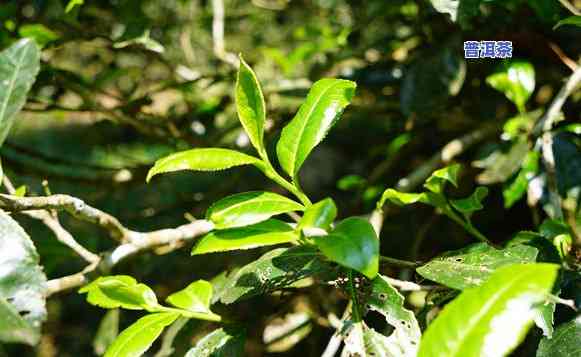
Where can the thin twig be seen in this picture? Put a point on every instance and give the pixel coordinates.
(218, 34)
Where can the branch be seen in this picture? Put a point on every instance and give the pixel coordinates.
(544, 126)
(218, 34)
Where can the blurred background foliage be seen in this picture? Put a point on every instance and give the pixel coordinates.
(125, 82)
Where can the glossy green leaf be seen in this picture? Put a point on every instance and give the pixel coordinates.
(471, 266)
(211, 159)
(571, 20)
(353, 244)
(386, 300)
(516, 79)
(324, 104)
(138, 338)
(72, 4)
(250, 105)
(438, 179)
(400, 198)
(39, 33)
(19, 65)
(224, 342)
(492, 319)
(564, 343)
(319, 215)
(111, 292)
(22, 285)
(107, 332)
(262, 234)
(247, 208)
(518, 187)
(471, 203)
(195, 297)
(275, 270)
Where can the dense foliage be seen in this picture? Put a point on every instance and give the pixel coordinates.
(359, 186)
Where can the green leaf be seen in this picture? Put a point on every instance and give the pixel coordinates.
(224, 342)
(324, 104)
(19, 65)
(353, 244)
(247, 208)
(39, 33)
(363, 341)
(319, 215)
(571, 20)
(517, 188)
(111, 292)
(262, 234)
(501, 166)
(438, 179)
(72, 4)
(490, 320)
(516, 79)
(211, 159)
(107, 332)
(386, 300)
(138, 338)
(461, 11)
(22, 285)
(275, 270)
(144, 40)
(471, 266)
(564, 343)
(250, 105)
(195, 297)
(401, 198)
(471, 203)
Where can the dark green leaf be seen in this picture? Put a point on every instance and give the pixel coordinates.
(517, 188)
(247, 208)
(195, 297)
(277, 269)
(224, 342)
(565, 341)
(472, 203)
(324, 104)
(137, 338)
(19, 65)
(111, 292)
(516, 79)
(22, 285)
(319, 215)
(211, 159)
(471, 266)
(265, 233)
(250, 105)
(353, 244)
(492, 319)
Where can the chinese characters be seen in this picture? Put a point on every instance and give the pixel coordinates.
(487, 49)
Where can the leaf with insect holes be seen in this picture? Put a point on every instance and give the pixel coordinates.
(250, 105)
(138, 338)
(471, 266)
(324, 104)
(209, 159)
(247, 208)
(492, 319)
(565, 341)
(224, 342)
(352, 244)
(262, 234)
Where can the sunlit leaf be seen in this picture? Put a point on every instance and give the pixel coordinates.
(353, 244)
(39, 33)
(262, 234)
(115, 291)
(319, 215)
(19, 65)
(250, 105)
(516, 79)
(471, 266)
(492, 319)
(211, 159)
(401, 198)
(195, 297)
(138, 338)
(224, 342)
(471, 203)
(438, 179)
(22, 285)
(247, 208)
(324, 104)
(571, 20)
